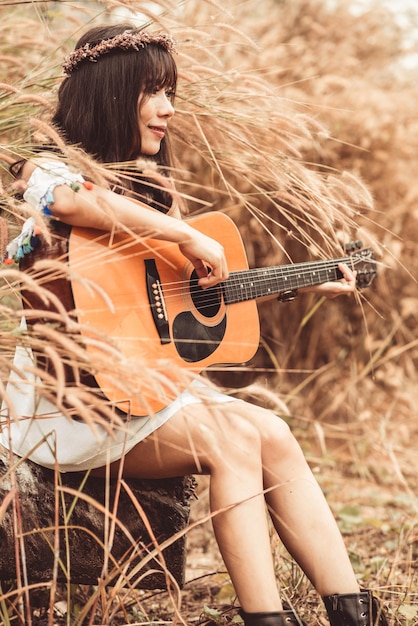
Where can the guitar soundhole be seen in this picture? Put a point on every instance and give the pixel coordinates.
(206, 301)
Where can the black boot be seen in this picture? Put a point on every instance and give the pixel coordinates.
(354, 609)
(277, 618)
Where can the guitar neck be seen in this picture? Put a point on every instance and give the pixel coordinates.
(261, 282)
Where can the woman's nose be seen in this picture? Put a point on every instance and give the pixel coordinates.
(166, 108)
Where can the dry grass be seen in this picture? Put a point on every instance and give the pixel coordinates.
(300, 123)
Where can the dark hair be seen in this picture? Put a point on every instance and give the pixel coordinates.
(98, 103)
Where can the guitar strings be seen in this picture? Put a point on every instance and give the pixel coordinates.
(243, 285)
(253, 276)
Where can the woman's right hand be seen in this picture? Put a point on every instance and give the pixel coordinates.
(208, 258)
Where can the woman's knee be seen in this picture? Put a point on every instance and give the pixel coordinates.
(275, 433)
(231, 438)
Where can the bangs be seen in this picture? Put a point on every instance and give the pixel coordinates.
(159, 70)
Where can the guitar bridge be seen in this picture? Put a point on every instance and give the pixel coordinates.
(156, 301)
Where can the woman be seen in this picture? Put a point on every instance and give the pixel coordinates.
(116, 103)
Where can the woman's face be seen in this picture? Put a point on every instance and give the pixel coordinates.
(155, 113)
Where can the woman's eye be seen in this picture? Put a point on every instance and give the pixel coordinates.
(169, 93)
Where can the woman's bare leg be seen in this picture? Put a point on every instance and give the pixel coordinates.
(246, 449)
(215, 440)
(300, 512)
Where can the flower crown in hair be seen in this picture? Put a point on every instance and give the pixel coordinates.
(127, 40)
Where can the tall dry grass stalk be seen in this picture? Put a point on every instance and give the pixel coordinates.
(298, 120)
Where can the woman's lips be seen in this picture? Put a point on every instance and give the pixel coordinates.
(158, 130)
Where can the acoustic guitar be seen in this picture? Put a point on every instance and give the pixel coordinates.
(142, 295)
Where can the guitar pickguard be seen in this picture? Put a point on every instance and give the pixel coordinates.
(193, 340)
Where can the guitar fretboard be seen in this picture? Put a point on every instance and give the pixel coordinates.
(261, 282)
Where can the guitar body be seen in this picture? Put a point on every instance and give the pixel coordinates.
(143, 297)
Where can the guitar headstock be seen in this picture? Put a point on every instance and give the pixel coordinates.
(363, 261)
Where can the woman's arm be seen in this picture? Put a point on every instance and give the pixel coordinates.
(105, 210)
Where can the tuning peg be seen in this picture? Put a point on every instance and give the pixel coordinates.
(351, 246)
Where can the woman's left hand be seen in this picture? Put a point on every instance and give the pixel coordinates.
(332, 290)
